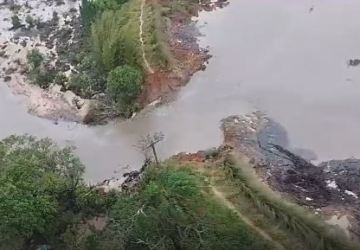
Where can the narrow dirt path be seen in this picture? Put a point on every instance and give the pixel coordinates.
(147, 64)
(221, 197)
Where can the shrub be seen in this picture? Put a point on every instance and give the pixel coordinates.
(88, 12)
(30, 21)
(60, 79)
(171, 211)
(114, 38)
(35, 58)
(124, 84)
(15, 20)
(40, 74)
(82, 84)
(38, 182)
(103, 5)
(90, 9)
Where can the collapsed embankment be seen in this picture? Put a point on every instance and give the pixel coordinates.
(329, 188)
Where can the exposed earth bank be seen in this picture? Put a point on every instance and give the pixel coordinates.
(330, 188)
(187, 56)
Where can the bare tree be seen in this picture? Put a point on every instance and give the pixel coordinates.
(148, 142)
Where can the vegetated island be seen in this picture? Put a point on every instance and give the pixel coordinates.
(92, 60)
(212, 199)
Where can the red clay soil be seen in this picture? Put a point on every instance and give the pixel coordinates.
(191, 157)
(159, 85)
(189, 57)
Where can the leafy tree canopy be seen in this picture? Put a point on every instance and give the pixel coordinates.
(124, 84)
(38, 181)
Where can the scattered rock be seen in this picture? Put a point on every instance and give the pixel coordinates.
(354, 62)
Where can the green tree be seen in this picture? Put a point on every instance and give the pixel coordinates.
(30, 21)
(124, 84)
(16, 23)
(82, 84)
(38, 184)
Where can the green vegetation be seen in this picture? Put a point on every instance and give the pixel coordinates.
(40, 72)
(171, 211)
(91, 9)
(35, 58)
(155, 36)
(41, 192)
(82, 84)
(295, 221)
(112, 28)
(124, 84)
(30, 21)
(44, 202)
(110, 38)
(60, 79)
(114, 37)
(16, 23)
(90, 78)
(88, 12)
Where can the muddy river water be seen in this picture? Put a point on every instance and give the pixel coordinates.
(286, 58)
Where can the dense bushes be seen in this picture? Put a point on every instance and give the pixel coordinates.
(43, 202)
(110, 63)
(124, 84)
(170, 211)
(41, 192)
(16, 23)
(90, 9)
(40, 72)
(114, 39)
(88, 12)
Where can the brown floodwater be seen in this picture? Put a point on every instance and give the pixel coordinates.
(286, 58)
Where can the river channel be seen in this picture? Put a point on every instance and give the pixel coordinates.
(286, 58)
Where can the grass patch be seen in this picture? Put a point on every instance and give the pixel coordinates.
(295, 220)
(172, 211)
(115, 37)
(156, 37)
